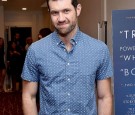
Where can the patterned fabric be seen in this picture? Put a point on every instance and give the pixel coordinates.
(67, 79)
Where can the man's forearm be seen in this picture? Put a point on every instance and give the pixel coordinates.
(105, 106)
(29, 106)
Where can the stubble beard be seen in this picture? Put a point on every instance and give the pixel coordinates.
(66, 31)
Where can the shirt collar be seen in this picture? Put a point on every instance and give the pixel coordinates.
(74, 40)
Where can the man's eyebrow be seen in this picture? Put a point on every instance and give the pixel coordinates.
(60, 9)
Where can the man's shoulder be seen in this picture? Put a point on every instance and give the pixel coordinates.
(91, 40)
(42, 42)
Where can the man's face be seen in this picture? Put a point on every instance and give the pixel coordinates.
(64, 15)
(17, 36)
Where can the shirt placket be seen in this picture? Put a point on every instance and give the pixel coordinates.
(68, 79)
(68, 75)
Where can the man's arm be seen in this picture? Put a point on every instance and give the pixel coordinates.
(29, 97)
(104, 96)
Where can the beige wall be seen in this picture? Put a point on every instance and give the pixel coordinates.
(46, 18)
(90, 16)
(25, 19)
(92, 13)
(88, 20)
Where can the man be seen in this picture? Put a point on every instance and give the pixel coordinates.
(18, 40)
(44, 32)
(29, 41)
(69, 65)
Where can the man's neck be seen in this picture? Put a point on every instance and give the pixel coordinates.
(66, 39)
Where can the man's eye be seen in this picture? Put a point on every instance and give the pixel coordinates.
(54, 13)
(66, 11)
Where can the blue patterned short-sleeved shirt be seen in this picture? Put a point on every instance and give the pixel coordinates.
(67, 79)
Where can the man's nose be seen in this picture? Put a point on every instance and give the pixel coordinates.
(61, 17)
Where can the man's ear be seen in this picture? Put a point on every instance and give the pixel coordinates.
(78, 9)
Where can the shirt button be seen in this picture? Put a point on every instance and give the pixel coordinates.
(68, 109)
(68, 63)
(68, 94)
(68, 79)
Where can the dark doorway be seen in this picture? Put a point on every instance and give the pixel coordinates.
(23, 31)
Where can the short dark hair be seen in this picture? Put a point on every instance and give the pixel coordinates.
(74, 3)
(45, 31)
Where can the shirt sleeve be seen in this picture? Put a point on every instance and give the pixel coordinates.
(30, 70)
(105, 69)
